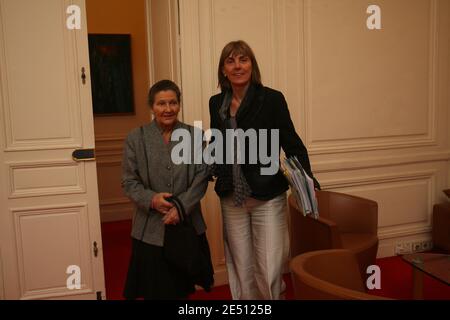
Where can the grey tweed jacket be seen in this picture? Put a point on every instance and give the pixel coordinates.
(141, 181)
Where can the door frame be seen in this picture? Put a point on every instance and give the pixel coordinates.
(168, 16)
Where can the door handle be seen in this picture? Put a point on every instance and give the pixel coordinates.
(83, 155)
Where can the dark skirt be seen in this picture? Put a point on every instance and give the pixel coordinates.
(152, 278)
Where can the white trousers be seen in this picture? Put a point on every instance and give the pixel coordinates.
(256, 247)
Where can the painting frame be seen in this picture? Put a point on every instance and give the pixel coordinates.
(111, 74)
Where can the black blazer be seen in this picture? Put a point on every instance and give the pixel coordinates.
(265, 108)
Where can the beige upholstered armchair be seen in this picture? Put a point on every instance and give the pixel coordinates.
(345, 222)
(328, 274)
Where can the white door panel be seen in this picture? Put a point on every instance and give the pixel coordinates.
(45, 178)
(62, 235)
(49, 216)
(40, 82)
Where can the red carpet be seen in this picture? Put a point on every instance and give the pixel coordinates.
(396, 275)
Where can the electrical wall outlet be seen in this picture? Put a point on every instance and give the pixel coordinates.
(417, 246)
(427, 245)
(407, 247)
(403, 248)
(399, 248)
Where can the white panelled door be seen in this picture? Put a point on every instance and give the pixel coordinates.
(50, 237)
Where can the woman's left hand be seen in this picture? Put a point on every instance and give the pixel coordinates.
(171, 217)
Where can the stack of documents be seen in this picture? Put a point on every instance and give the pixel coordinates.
(302, 186)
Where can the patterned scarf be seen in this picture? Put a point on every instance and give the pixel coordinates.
(240, 186)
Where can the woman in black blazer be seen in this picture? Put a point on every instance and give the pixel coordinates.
(253, 204)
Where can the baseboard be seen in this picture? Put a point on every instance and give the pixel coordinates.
(220, 276)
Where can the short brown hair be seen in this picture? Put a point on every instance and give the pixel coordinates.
(163, 85)
(234, 48)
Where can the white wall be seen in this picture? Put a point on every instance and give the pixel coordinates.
(372, 106)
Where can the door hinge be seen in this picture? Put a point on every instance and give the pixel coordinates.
(99, 295)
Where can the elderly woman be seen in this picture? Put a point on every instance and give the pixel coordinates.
(153, 182)
(253, 204)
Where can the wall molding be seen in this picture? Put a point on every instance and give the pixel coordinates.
(370, 144)
(378, 162)
(328, 146)
(378, 179)
(403, 232)
(408, 228)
